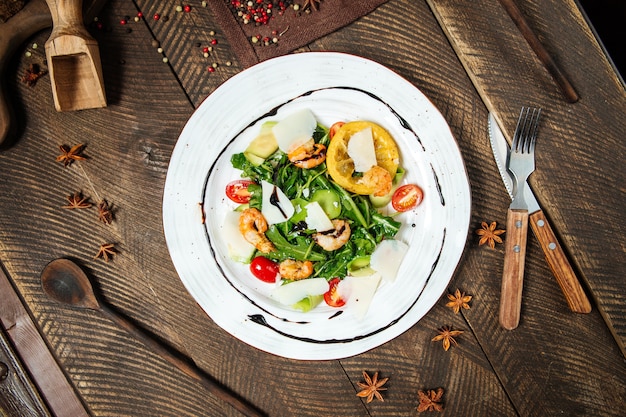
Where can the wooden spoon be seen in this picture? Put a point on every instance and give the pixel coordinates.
(66, 282)
(73, 59)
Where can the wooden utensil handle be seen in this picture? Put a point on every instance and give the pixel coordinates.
(513, 273)
(67, 18)
(561, 268)
(184, 364)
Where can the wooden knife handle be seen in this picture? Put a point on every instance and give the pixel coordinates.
(513, 273)
(561, 268)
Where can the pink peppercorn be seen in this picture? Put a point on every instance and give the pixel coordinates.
(211, 69)
(139, 15)
(157, 16)
(187, 8)
(213, 41)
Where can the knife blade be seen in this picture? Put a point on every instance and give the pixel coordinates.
(555, 256)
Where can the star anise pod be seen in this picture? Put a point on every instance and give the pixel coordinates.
(77, 201)
(32, 74)
(371, 387)
(447, 335)
(488, 234)
(430, 400)
(72, 154)
(313, 4)
(105, 215)
(106, 251)
(458, 300)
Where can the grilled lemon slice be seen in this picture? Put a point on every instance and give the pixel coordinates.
(341, 166)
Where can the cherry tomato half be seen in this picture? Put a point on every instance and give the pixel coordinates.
(334, 128)
(332, 297)
(407, 197)
(264, 269)
(238, 191)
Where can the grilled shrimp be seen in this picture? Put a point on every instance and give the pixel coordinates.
(379, 178)
(295, 270)
(335, 238)
(253, 226)
(308, 155)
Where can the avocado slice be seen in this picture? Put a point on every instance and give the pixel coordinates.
(263, 145)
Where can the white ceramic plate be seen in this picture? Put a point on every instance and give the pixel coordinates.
(335, 87)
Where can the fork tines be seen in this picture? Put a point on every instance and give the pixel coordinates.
(526, 130)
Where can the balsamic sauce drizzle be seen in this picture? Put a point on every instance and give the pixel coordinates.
(438, 186)
(274, 201)
(260, 318)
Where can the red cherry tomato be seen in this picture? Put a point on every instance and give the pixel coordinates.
(264, 269)
(238, 191)
(332, 297)
(407, 197)
(334, 128)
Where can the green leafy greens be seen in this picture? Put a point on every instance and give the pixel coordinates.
(291, 238)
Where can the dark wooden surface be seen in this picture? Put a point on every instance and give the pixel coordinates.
(555, 363)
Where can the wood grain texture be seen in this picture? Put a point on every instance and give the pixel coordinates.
(513, 269)
(561, 268)
(580, 145)
(556, 362)
(53, 385)
(544, 56)
(18, 394)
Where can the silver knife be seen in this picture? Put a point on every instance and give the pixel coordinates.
(561, 268)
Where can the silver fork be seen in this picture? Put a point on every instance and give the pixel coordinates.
(521, 163)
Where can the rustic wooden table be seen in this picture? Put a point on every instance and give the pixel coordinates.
(469, 58)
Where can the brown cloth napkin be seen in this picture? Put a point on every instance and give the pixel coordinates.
(293, 29)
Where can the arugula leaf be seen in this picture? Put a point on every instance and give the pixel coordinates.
(337, 263)
(255, 173)
(300, 249)
(350, 208)
(385, 227)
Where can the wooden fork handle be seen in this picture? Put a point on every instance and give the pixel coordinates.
(513, 273)
(561, 268)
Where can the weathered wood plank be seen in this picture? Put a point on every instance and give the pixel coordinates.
(507, 75)
(52, 384)
(18, 394)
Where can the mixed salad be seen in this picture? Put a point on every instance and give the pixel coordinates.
(308, 217)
